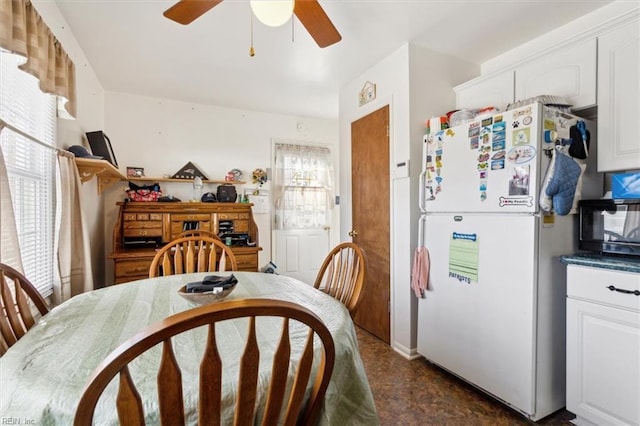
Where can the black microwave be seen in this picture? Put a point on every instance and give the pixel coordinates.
(610, 226)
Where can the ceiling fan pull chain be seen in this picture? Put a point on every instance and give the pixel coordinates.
(252, 51)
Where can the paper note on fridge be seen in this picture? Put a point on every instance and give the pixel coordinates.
(463, 257)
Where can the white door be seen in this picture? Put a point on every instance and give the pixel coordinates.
(496, 90)
(303, 192)
(618, 93)
(569, 72)
(482, 329)
(603, 349)
(299, 253)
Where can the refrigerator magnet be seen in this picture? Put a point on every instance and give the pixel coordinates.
(473, 143)
(521, 136)
(497, 164)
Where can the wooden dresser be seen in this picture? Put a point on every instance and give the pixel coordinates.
(141, 228)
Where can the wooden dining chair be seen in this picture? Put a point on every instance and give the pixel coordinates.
(342, 275)
(169, 379)
(192, 254)
(17, 306)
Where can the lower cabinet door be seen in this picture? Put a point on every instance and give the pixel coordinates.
(603, 364)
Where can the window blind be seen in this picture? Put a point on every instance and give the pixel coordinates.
(30, 167)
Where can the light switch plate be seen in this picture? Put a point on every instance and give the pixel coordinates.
(401, 170)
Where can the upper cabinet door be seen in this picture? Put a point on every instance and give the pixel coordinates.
(618, 93)
(496, 91)
(569, 72)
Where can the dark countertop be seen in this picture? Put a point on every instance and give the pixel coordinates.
(594, 260)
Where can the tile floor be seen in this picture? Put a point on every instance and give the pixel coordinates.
(419, 393)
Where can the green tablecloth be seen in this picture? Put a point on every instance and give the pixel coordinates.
(43, 374)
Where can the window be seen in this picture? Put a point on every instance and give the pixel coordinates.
(30, 167)
(303, 184)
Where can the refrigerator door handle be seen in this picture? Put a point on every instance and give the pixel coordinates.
(421, 200)
(421, 221)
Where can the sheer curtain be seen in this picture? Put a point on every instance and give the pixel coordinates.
(9, 245)
(73, 251)
(303, 186)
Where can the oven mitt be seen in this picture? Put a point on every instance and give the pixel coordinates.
(546, 202)
(211, 282)
(562, 187)
(581, 138)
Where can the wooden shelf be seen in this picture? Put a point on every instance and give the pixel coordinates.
(151, 179)
(106, 173)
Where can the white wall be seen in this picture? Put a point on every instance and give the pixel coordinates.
(90, 100)
(416, 83)
(432, 78)
(162, 135)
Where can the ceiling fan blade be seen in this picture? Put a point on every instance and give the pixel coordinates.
(316, 21)
(186, 11)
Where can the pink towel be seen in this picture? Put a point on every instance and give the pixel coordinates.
(420, 271)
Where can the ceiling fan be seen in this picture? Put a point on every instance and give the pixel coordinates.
(309, 12)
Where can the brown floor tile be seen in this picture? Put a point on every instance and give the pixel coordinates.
(419, 393)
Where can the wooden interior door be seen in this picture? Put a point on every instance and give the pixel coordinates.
(371, 217)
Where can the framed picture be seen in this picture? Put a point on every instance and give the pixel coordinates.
(135, 172)
(189, 171)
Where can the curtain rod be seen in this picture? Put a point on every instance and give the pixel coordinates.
(4, 124)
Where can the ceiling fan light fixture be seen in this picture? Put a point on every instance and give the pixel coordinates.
(273, 13)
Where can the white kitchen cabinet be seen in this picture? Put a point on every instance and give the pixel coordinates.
(603, 346)
(495, 90)
(569, 72)
(618, 98)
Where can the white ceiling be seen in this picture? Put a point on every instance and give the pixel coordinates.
(134, 49)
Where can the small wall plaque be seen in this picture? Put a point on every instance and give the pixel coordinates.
(189, 171)
(367, 93)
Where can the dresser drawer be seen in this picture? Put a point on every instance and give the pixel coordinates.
(133, 217)
(132, 268)
(614, 288)
(143, 232)
(231, 216)
(143, 224)
(247, 262)
(240, 226)
(190, 217)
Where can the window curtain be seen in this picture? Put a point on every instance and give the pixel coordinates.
(303, 187)
(23, 31)
(73, 250)
(9, 245)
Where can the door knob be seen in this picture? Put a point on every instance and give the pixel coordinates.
(353, 233)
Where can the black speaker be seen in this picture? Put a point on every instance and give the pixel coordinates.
(101, 145)
(226, 194)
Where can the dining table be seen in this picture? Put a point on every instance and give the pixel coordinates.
(43, 375)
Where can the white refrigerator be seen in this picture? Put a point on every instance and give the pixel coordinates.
(494, 310)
